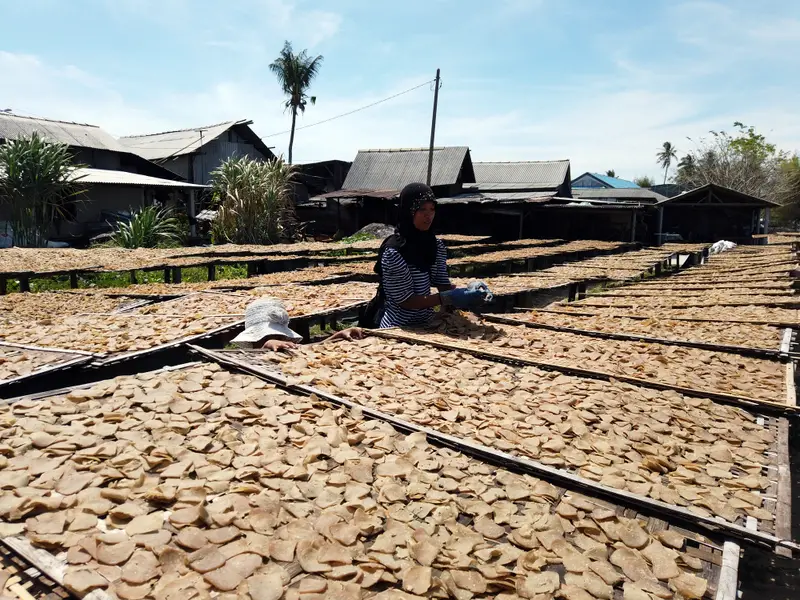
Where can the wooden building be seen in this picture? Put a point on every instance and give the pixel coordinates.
(117, 180)
(194, 153)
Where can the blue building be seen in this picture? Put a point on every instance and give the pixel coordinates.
(596, 180)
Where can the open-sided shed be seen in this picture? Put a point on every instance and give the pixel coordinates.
(713, 212)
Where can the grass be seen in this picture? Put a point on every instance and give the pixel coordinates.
(122, 279)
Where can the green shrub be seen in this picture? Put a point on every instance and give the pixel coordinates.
(149, 227)
(253, 200)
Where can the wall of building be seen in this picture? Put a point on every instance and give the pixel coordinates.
(98, 159)
(587, 181)
(197, 167)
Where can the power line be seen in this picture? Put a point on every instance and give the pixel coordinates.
(350, 112)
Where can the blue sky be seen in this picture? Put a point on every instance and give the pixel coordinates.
(600, 83)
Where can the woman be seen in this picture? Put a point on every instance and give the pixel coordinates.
(412, 260)
(266, 325)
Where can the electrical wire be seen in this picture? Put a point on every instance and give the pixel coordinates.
(350, 112)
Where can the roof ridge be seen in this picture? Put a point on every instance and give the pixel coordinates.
(412, 149)
(18, 116)
(186, 129)
(519, 162)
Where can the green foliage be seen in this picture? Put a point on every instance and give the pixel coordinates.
(789, 213)
(750, 143)
(149, 227)
(743, 161)
(254, 201)
(36, 183)
(357, 237)
(295, 72)
(611, 173)
(644, 181)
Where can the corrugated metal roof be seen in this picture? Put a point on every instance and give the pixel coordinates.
(533, 174)
(111, 177)
(167, 144)
(723, 194)
(73, 134)
(624, 194)
(498, 198)
(394, 169)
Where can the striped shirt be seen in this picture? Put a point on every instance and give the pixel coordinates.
(401, 281)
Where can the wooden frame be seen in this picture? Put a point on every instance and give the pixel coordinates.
(740, 401)
(630, 337)
(515, 463)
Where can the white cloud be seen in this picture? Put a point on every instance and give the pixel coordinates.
(618, 121)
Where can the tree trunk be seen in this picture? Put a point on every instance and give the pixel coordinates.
(666, 169)
(291, 136)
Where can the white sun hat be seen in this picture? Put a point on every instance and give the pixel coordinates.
(263, 318)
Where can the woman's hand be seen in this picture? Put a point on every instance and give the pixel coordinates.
(279, 346)
(353, 333)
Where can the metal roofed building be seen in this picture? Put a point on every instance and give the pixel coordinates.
(393, 169)
(194, 153)
(117, 180)
(711, 213)
(598, 180)
(641, 195)
(534, 176)
(90, 145)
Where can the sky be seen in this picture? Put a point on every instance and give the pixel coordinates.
(603, 84)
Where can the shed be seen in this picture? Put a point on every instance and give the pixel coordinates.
(711, 213)
(393, 169)
(529, 176)
(598, 180)
(194, 153)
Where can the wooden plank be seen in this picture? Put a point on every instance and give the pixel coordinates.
(607, 314)
(511, 462)
(45, 562)
(783, 509)
(728, 583)
(85, 386)
(791, 392)
(52, 369)
(43, 349)
(741, 401)
(630, 337)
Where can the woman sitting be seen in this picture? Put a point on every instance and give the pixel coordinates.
(413, 260)
(266, 325)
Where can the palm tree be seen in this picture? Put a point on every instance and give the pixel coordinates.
(295, 73)
(665, 156)
(611, 173)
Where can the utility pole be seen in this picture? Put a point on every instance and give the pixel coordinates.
(433, 126)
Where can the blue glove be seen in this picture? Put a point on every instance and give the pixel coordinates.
(482, 287)
(464, 297)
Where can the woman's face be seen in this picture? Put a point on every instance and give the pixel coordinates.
(423, 218)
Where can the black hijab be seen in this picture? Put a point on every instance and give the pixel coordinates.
(418, 248)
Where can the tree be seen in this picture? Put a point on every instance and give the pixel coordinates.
(665, 156)
(611, 173)
(295, 72)
(743, 161)
(644, 181)
(686, 167)
(37, 182)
